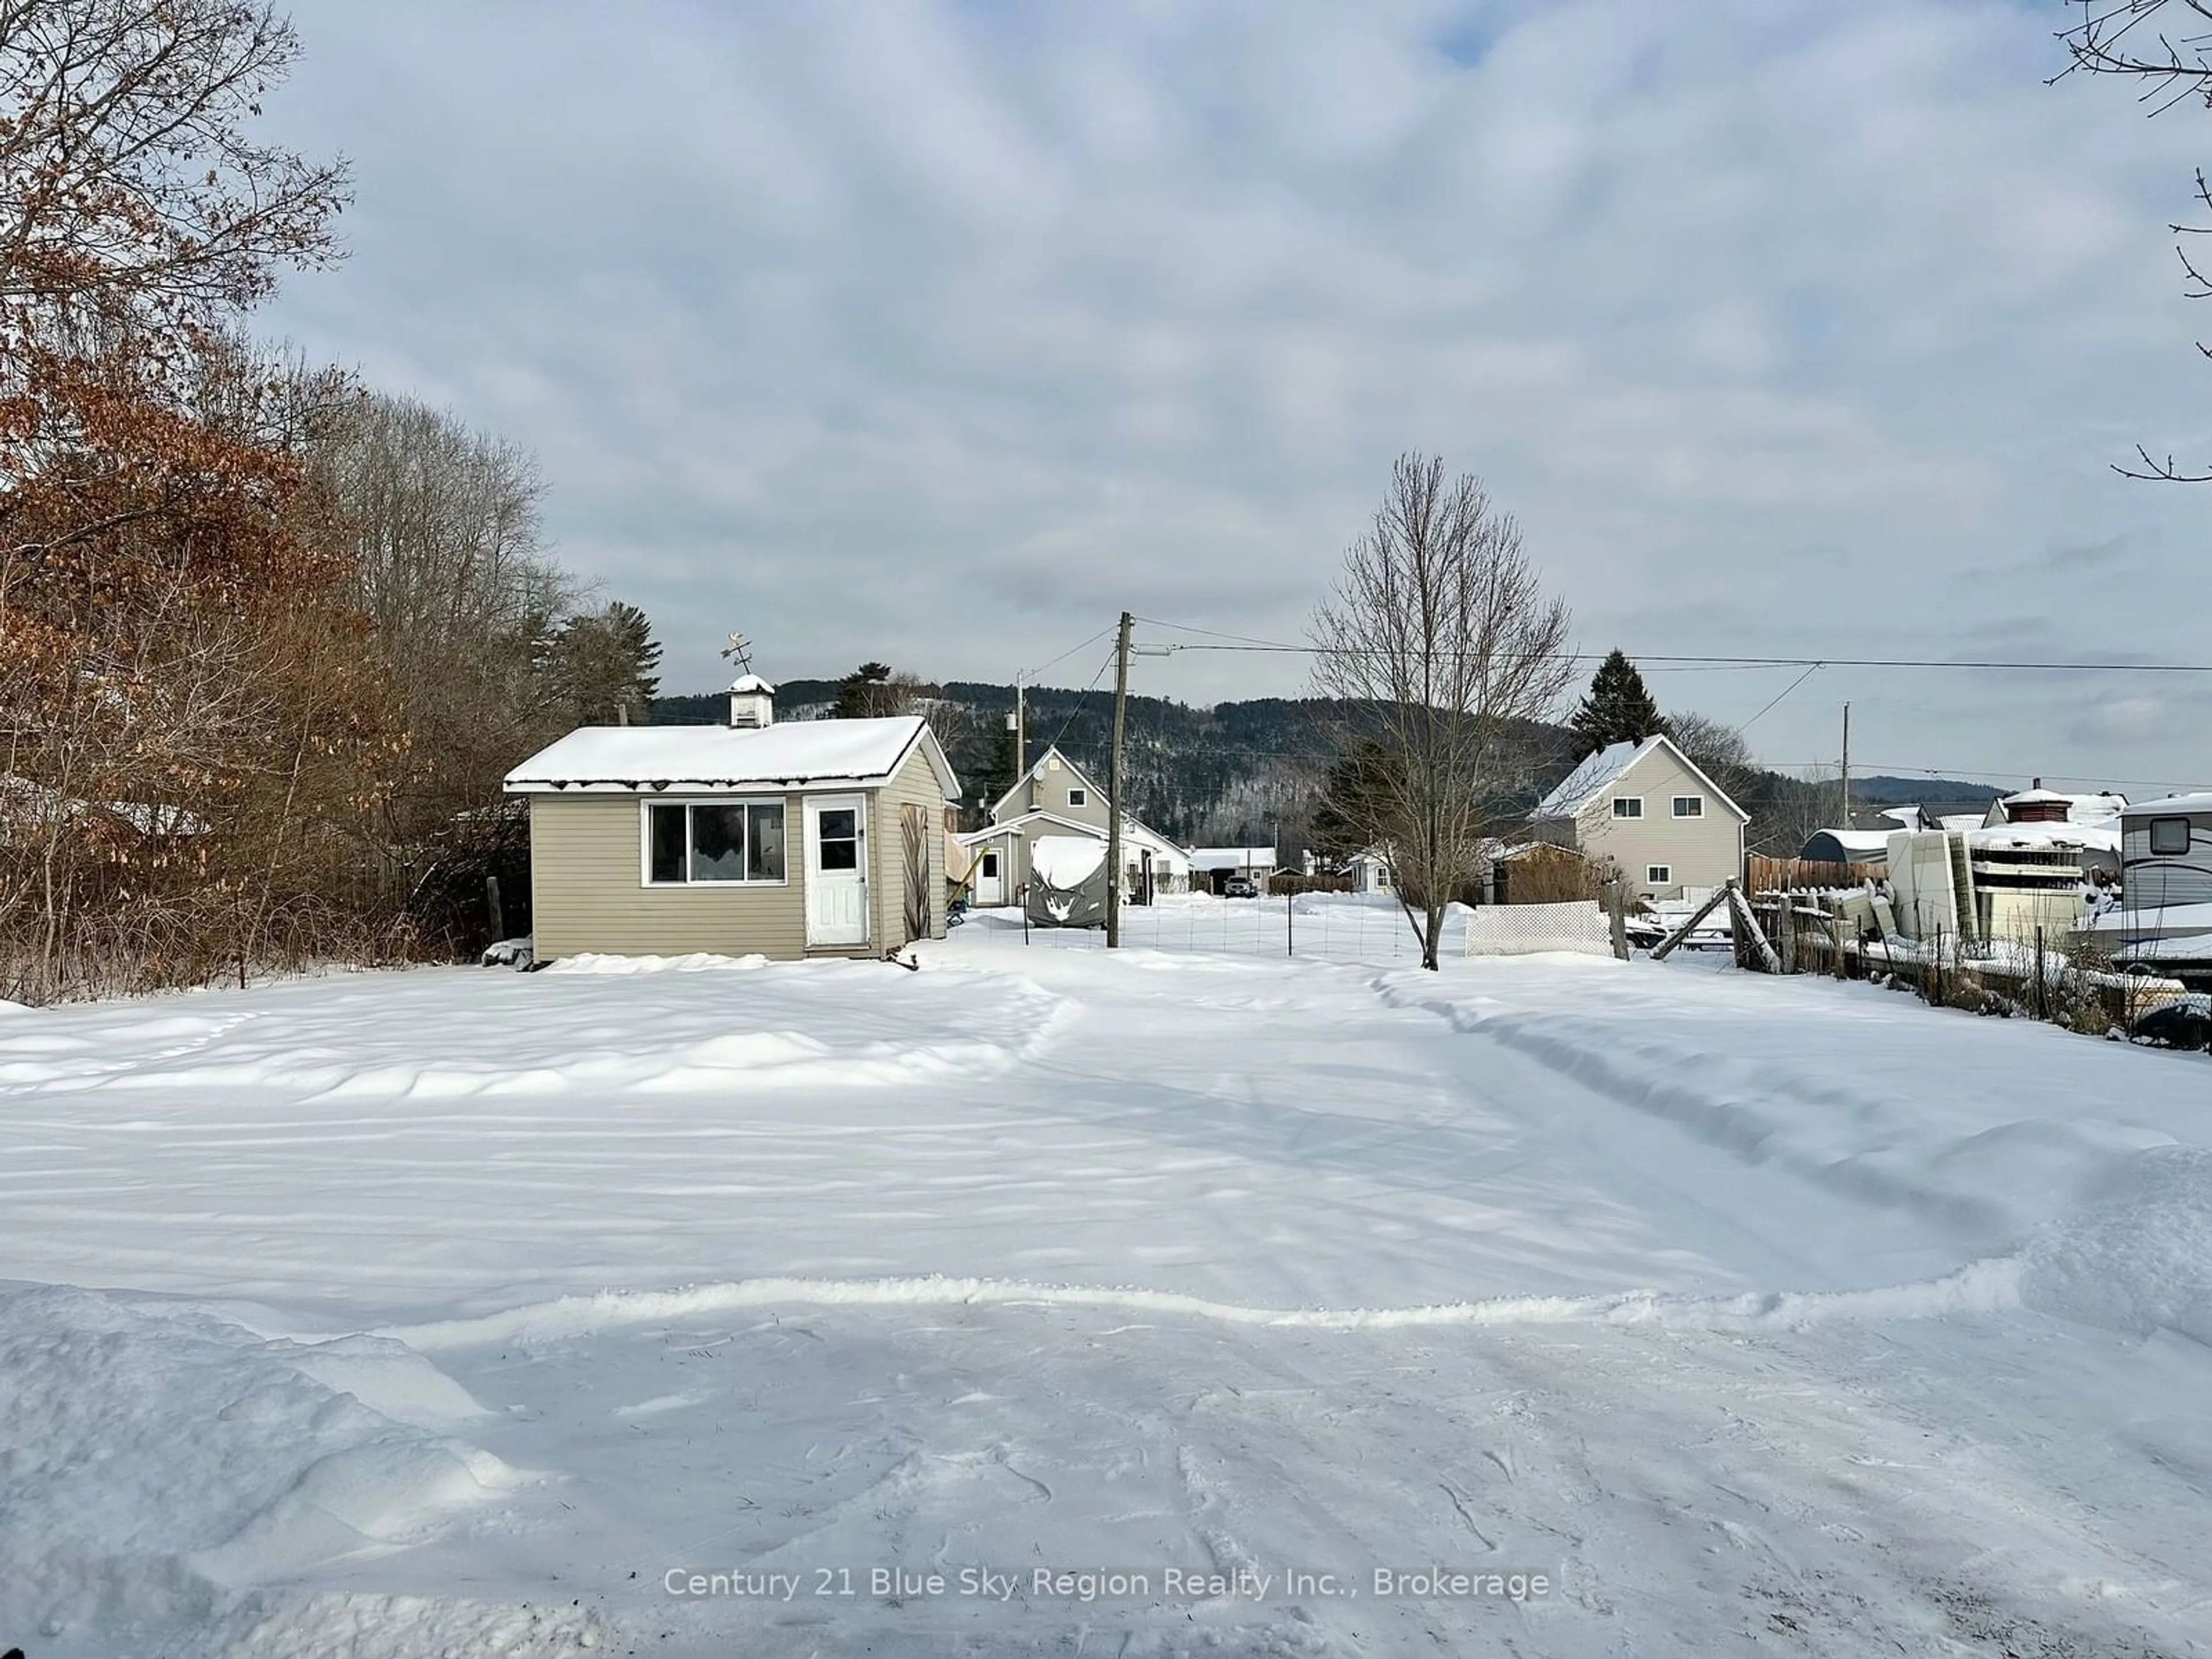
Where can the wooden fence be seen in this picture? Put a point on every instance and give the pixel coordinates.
(1766, 875)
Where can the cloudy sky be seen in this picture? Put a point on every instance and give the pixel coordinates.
(942, 332)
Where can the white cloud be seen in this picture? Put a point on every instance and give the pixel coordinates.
(940, 332)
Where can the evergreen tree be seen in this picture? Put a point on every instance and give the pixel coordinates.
(1355, 802)
(1619, 708)
(866, 691)
(603, 664)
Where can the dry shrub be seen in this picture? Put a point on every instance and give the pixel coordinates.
(1548, 875)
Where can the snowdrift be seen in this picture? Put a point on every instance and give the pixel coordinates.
(160, 1459)
(2135, 1254)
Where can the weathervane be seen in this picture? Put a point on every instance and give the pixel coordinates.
(739, 651)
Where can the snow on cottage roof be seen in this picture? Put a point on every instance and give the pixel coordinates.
(632, 758)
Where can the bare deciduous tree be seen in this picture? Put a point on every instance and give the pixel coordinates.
(1719, 749)
(1437, 641)
(2164, 48)
(189, 717)
(441, 526)
(131, 187)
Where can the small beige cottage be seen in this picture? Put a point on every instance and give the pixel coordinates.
(811, 838)
(1647, 808)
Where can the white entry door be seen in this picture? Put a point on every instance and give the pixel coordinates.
(990, 879)
(836, 870)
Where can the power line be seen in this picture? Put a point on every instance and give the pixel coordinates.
(1030, 674)
(1076, 708)
(1246, 643)
(1782, 693)
(1799, 662)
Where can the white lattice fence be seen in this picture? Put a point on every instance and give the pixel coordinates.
(1518, 930)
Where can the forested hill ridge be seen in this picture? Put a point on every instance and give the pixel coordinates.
(1225, 774)
(1248, 772)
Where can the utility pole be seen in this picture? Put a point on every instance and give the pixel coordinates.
(1114, 790)
(1021, 731)
(1847, 767)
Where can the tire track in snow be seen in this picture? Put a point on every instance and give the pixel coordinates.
(1735, 1126)
(1988, 1286)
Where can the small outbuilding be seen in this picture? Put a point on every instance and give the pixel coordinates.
(811, 838)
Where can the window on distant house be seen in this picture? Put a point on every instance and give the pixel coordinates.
(2169, 836)
(1658, 875)
(700, 841)
(1689, 807)
(1077, 797)
(1628, 806)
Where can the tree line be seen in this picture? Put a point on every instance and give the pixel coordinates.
(270, 638)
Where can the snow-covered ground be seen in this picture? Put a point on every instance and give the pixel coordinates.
(456, 1311)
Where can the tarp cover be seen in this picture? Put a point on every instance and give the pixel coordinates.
(1068, 882)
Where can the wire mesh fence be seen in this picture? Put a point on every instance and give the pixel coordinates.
(1355, 928)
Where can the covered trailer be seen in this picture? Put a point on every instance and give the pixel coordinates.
(1068, 882)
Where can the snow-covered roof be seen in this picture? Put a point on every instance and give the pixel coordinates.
(2094, 837)
(39, 804)
(1873, 843)
(1232, 858)
(1132, 830)
(1583, 785)
(1601, 771)
(751, 683)
(2080, 809)
(633, 759)
(2169, 806)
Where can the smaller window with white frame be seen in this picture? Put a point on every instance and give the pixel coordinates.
(1658, 875)
(1628, 806)
(2169, 836)
(1689, 807)
(1078, 797)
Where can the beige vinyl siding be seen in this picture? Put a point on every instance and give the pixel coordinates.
(1699, 851)
(914, 785)
(587, 891)
(1049, 792)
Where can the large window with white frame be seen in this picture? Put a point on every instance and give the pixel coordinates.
(1658, 875)
(696, 842)
(1689, 807)
(1628, 806)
